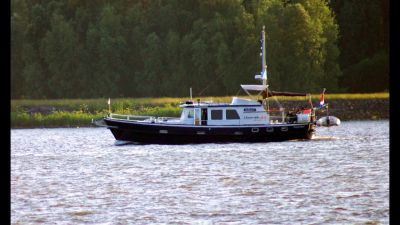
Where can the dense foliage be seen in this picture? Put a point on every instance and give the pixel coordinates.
(135, 48)
(364, 44)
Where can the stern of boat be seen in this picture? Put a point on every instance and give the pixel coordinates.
(311, 131)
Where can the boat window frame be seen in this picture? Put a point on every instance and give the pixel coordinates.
(220, 116)
(236, 114)
(190, 113)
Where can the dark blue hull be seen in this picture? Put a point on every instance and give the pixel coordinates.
(182, 134)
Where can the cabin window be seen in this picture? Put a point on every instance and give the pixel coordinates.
(216, 114)
(250, 110)
(190, 113)
(231, 114)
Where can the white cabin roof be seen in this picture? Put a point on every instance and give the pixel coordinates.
(254, 87)
(243, 101)
(235, 102)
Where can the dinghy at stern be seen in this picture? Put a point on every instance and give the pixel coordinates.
(328, 121)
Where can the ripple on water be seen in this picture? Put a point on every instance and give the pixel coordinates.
(73, 176)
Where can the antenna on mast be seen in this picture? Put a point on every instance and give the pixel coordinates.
(264, 64)
(263, 75)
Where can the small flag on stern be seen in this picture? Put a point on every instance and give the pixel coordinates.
(109, 105)
(321, 99)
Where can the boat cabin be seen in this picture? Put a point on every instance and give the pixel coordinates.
(238, 112)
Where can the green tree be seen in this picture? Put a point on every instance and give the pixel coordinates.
(111, 49)
(174, 72)
(60, 54)
(148, 48)
(135, 37)
(18, 37)
(323, 19)
(186, 64)
(364, 36)
(301, 50)
(202, 64)
(153, 79)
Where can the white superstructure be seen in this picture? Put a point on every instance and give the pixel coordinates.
(238, 112)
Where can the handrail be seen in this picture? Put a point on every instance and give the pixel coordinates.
(166, 117)
(134, 117)
(275, 110)
(129, 117)
(276, 119)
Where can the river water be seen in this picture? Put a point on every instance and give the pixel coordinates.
(78, 175)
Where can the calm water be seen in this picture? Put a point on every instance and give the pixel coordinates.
(74, 176)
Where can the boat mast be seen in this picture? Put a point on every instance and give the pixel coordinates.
(264, 64)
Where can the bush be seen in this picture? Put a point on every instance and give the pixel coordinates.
(369, 75)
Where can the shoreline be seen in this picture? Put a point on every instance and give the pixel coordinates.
(344, 109)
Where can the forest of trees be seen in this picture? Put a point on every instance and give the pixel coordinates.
(153, 48)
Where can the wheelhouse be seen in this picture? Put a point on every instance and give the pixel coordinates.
(239, 112)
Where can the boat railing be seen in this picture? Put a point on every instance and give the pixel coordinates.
(164, 119)
(129, 117)
(274, 110)
(141, 118)
(276, 119)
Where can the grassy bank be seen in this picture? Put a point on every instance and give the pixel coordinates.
(80, 112)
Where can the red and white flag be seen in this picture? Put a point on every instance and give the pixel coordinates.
(321, 98)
